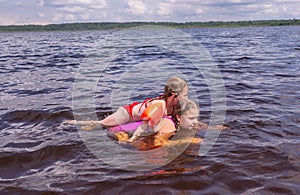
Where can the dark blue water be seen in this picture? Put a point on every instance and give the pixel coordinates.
(257, 154)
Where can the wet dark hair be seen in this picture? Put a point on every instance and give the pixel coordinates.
(174, 85)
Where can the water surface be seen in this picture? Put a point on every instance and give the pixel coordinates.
(257, 154)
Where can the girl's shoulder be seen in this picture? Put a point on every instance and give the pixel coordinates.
(157, 101)
(166, 125)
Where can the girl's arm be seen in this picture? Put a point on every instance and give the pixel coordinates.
(141, 129)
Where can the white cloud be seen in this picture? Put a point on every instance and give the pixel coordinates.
(57, 17)
(70, 17)
(137, 7)
(41, 3)
(74, 5)
(65, 17)
(73, 9)
(41, 15)
(59, 11)
(164, 9)
(101, 3)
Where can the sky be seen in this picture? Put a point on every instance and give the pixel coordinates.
(19, 12)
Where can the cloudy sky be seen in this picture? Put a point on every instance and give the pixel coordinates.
(68, 11)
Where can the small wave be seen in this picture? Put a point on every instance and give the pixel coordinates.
(31, 116)
(241, 86)
(22, 144)
(260, 146)
(243, 58)
(41, 157)
(287, 75)
(36, 116)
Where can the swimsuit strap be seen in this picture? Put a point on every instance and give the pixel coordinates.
(173, 109)
(165, 98)
(145, 102)
(169, 117)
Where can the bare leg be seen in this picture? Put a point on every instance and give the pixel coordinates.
(121, 116)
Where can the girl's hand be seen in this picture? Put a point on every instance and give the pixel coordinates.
(199, 126)
(203, 126)
(69, 122)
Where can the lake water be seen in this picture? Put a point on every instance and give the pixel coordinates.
(259, 152)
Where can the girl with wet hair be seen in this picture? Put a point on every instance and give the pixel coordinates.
(175, 90)
(185, 117)
(184, 123)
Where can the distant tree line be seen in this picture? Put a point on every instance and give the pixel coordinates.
(116, 25)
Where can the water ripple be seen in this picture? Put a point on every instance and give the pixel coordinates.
(257, 154)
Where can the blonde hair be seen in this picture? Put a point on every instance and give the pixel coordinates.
(185, 105)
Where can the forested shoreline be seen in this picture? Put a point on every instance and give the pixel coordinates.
(123, 25)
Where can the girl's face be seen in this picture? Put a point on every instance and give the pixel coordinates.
(189, 119)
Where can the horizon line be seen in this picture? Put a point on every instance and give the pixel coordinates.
(96, 22)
